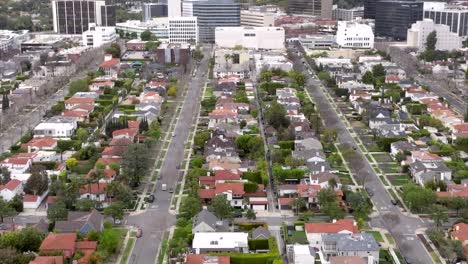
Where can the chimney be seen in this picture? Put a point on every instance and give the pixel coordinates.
(464, 185)
(334, 221)
(322, 169)
(107, 57)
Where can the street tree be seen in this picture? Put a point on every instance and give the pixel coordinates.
(5, 175)
(115, 210)
(135, 163)
(190, 207)
(121, 192)
(439, 214)
(275, 116)
(5, 210)
(328, 201)
(57, 211)
(250, 214)
(418, 198)
(298, 204)
(221, 207)
(85, 204)
(38, 182)
(152, 46)
(201, 138)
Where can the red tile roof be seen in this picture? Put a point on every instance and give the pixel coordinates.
(461, 128)
(30, 198)
(206, 193)
(40, 142)
(108, 173)
(154, 83)
(79, 100)
(460, 231)
(110, 63)
(132, 132)
(206, 259)
(454, 190)
(47, 260)
(226, 176)
(75, 113)
(114, 151)
(338, 226)
(80, 245)
(120, 142)
(285, 201)
(134, 124)
(93, 188)
(237, 188)
(11, 185)
(207, 180)
(59, 242)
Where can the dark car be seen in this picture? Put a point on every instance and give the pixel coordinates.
(171, 190)
(139, 232)
(237, 214)
(394, 202)
(151, 198)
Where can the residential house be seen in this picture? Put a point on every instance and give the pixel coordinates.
(460, 233)
(315, 231)
(157, 86)
(360, 244)
(223, 164)
(110, 66)
(33, 201)
(207, 259)
(424, 172)
(18, 164)
(316, 167)
(94, 191)
(113, 152)
(41, 143)
(206, 221)
(63, 243)
(455, 190)
(129, 133)
(402, 147)
(57, 126)
(260, 233)
(99, 86)
(300, 254)
(82, 222)
(78, 101)
(11, 189)
(347, 260)
(234, 192)
(224, 89)
(323, 179)
(227, 116)
(309, 155)
(360, 96)
(216, 153)
(309, 143)
(205, 242)
(47, 260)
(108, 175)
(460, 131)
(423, 156)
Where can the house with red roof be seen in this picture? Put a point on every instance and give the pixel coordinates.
(95, 192)
(113, 152)
(314, 231)
(454, 190)
(108, 175)
(460, 233)
(110, 66)
(31, 201)
(41, 143)
(129, 133)
(460, 131)
(222, 116)
(17, 164)
(64, 243)
(11, 189)
(80, 115)
(423, 156)
(47, 260)
(392, 78)
(234, 192)
(77, 101)
(87, 248)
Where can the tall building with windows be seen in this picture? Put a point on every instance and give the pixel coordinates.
(183, 30)
(394, 17)
(318, 8)
(73, 17)
(151, 10)
(446, 40)
(174, 8)
(354, 35)
(257, 18)
(456, 17)
(369, 9)
(211, 14)
(342, 14)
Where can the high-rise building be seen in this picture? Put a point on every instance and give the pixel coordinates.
(354, 35)
(98, 36)
(394, 17)
(318, 8)
(174, 8)
(183, 30)
(73, 17)
(456, 17)
(211, 14)
(151, 10)
(257, 19)
(446, 40)
(369, 9)
(347, 14)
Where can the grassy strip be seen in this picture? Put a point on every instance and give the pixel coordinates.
(128, 249)
(390, 239)
(162, 252)
(377, 235)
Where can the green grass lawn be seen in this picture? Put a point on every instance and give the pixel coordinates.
(298, 237)
(391, 168)
(390, 239)
(128, 249)
(398, 180)
(377, 235)
(384, 157)
(345, 178)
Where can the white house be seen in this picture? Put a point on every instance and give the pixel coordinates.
(33, 201)
(204, 242)
(17, 164)
(354, 35)
(57, 126)
(11, 189)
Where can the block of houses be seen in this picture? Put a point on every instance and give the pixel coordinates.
(206, 221)
(424, 172)
(110, 66)
(315, 231)
(82, 222)
(360, 244)
(205, 242)
(57, 126)
(43, 143)
(11, 189)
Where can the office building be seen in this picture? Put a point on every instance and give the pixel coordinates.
(319, 41)
(174, 8)
(97, 36)
(456, 17)
(183, 30)
(347, 14)
(354, 35)
(173, 53)
(369, 9)
(394, 17)
(158, 26)
(72, 17)
(212, 14)
(12, 39)
(151, 10)
(257, 19)
(250, 37)
(318, 8)
(446, 40)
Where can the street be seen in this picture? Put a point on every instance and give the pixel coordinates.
(157, 219)
(390, 217)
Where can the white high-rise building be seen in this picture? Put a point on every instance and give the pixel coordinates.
(96, 36)
(183, 30)
(446, 40)
(354, 35)
(257, 18)
(174, 8)
(250, 37)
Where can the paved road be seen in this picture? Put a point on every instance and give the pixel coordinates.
(390, 217)
(157, 219)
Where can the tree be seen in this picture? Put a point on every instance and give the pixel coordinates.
(38, 182)
(457, 203)
(439, 214)
(328, 201)
(298, 204)
(78, 86)
(298, 78)
(5, 210)
(9, 255)
(172, 91)
(81, 134)
(57, 211)
(241, 97)
(114, 50)
(368, 78)
(152, 46)
(146, 35)
(201, 138)
(242, 124)
(190, 207)
(265, 76)
(5, 175)
(135, 163)
(85, 204)
(16, 203)
(431, 41)
(221, 207)
(5, 102)
(250, 214)
(378, 71)
(120, 192)
(198, 54)
(275, 115)
(115, 210)
(418, 198)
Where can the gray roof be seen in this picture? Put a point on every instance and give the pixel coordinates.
(429, 166)
(76, 220)
(320, 166)
(207, 217)
(309, 144)
(352, 242)
(261, 232)
(404, 146)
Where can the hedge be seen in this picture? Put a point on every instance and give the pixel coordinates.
(253, 176)
(65, 145)
(261, 258)
(258, 244)
(247, 226)
(286, 144)
(126, 107)
(48, 165)
(105, 102)
(106, 97)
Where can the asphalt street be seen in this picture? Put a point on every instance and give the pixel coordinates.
(390, 217)
(156, 219)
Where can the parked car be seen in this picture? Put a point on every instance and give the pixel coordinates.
(394, 202)
(171, 190)
(151, 198)
(139, 232)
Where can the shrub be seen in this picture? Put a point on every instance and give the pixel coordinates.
(247, 226)
(286, 144)
(256, 244)
(65, 145)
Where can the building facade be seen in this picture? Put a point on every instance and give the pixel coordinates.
(12, 39)
(151, 10)
(318, 8)
(215, 13)
(72, 17)
(354, 35)
(369, 9)
(97, 36)
(159, 27)
(250, 37)
(446, 40)
(257, 19)
(173, 53)
(394, 17)
(319, 41)
(456, 17)
(183, 30)
(174, 8)
(347, 14)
